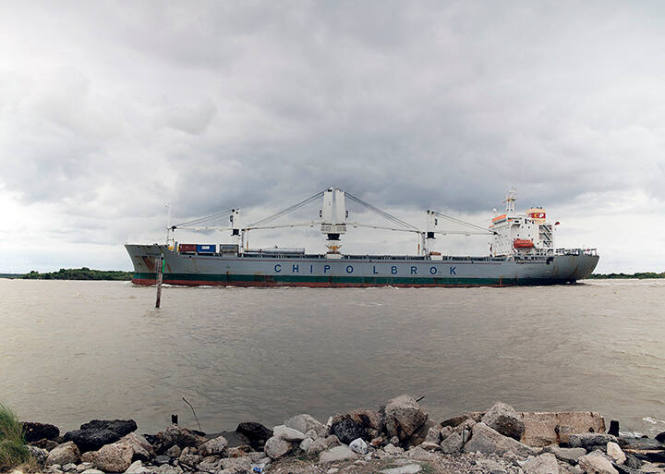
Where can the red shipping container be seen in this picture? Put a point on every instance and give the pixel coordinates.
(187, 248)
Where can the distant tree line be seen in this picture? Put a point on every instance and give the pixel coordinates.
(617, 276)
(83, 273)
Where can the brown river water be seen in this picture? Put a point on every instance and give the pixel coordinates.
(73, 351)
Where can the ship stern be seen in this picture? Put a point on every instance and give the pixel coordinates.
(576, 264)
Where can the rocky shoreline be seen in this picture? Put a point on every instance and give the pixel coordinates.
(398, 438)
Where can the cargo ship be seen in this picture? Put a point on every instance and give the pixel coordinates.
(522, 252)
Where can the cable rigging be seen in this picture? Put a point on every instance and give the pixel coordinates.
(384, 214)
(284, 212)
(459, 221)
(205, 221)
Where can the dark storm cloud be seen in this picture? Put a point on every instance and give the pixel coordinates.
(115, 109)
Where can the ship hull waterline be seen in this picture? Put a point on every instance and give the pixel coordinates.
(360, 271)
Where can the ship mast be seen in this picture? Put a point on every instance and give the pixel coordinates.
(431, 222)
(511, 197)
(169, 228)
(333, 219)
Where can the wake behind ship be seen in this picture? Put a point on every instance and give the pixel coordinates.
(522, 252)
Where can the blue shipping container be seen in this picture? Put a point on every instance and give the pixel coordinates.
(206, 248)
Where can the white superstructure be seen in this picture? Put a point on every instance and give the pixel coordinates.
(527, 233)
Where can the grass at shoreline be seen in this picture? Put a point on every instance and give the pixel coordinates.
(13, 450)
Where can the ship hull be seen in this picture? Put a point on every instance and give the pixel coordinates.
(355, 271)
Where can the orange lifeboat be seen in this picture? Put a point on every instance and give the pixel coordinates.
(523, 244)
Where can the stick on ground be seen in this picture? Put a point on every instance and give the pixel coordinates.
(193, 411)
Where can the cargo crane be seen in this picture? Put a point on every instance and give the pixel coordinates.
(332, 222)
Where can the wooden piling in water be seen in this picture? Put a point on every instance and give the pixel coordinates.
(614, 428)
(160, 272)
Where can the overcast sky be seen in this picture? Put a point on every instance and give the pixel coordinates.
(109, 110)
